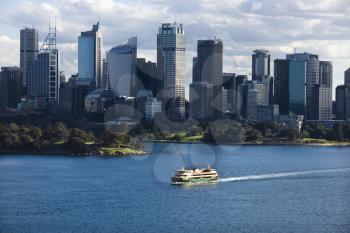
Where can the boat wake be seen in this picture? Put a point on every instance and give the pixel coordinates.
(279, 175)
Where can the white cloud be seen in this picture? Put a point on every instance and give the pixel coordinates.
(318, 26)
(9, 51)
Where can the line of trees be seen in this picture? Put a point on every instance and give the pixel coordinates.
(58, 137)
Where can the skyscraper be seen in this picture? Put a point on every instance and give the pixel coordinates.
(44, 78)
(255, 97)
(207, 74)
(260, 64)
(29, 47)
(343, 102)
(146, 73)
(11, 87)
(322, 94)
(281, 87)
(296, 87)
(105, 82)
(230, 85)
(90, 58)
(121, 62)
(171, 51)
(309, 85)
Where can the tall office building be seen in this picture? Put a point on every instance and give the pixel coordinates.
(11, 87)
(255, 96)
(347, 77)
(171, 51)
(312, 78)
(29, 48)
(296, 87)
(210, 69)
(260, 64)
(44, 77)
(146, 73)
(121, 62)
(201, 95)
(281, 87)
(322, 94)
(343, 102)
(305, 83)
(105, 82)
(230, 85)
(207, 74)
(90, 58)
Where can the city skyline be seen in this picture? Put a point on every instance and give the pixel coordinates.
(235, 23)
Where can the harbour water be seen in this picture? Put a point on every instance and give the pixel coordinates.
(261, 189)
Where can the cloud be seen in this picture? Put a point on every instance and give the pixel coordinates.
(9, 51)
(317, 26)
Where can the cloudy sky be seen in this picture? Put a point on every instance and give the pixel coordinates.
(316, 26)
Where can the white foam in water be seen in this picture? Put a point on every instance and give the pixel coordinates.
(278, 175)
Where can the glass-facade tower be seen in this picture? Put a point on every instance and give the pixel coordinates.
(90, 58)
(171, 51)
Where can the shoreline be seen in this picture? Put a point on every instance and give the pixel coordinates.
(70, 154)
(336, 144)
(122, 153)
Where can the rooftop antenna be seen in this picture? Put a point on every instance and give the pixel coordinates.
(50, 40)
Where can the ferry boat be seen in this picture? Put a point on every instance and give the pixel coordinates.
(185, 176)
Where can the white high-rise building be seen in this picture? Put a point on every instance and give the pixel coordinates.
(90, 58)
(171, 51)
(121, 66)
(43, 80)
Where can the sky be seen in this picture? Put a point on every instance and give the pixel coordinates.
(280, 26)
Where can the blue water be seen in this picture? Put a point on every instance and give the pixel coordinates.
(133, 194)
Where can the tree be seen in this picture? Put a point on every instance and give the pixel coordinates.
(35, 132)
(318, 131)
(253, 134)
(82, 134)
(58, 133)
(339, 131)
(292, 134)
(77, 145)
(111, 139)
(346, 131)
(224, 132)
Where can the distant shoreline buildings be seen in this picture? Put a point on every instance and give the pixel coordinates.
(300, 88)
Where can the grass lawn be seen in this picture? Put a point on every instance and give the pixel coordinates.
(120, 151)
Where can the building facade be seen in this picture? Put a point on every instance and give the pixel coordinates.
(29, 48)
(281, 85)
(255, 97)
(347, 77)
(343, 102)
(296, 87)
(152, 108)
(267, 113)
(90, 58)
(171, 52)
(121, 62)
(201, 96)
(43, 79)
(260, 64)
(11, 87)
(208, 74)
(146, 73)
(306, 79)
